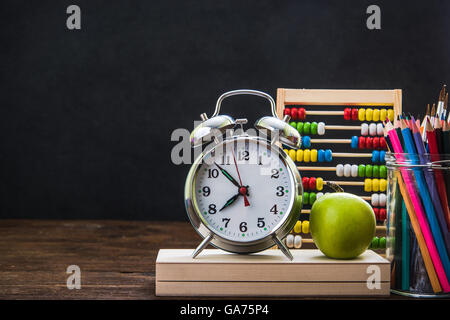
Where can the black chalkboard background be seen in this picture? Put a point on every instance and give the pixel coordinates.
(86, 116)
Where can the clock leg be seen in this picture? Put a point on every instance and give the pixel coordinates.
(202, 246)
(283, 248)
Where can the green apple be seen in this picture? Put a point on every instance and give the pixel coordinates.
(342, 225)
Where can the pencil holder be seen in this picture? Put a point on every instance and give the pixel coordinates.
(418, 224)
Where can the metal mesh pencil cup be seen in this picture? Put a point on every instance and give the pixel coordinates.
(418, 224)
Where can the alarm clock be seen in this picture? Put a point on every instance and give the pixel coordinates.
(243, 193)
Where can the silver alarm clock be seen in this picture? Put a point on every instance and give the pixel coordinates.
(243, 194)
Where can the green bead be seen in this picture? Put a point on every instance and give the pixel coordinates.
(314, 128)
(305, 197)
(383, 171)
(300, 127)
(307, 128)
(375, 243)
(361, 170)
(294, 124)
(376, 171)
(312, 198)
(382, 243)
(368, 171)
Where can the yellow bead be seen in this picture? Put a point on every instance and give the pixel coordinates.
(390, 114)
(298, 227)
(307, 155)
(292, 154)
(313, 155)
(362, 114)
(319, 184)
(383, 113)
(376, 115)
(375, 185)
(369, 113)
(383, 184)
(368, 185)
(300, 155)
(305, 226)
(287, 151)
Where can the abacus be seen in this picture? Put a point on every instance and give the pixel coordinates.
(339, 113)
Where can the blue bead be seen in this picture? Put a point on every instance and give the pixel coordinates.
(355, 141)
(375, 156)
(328, 155)
(306, 141)
(320, 155)
(382, 155)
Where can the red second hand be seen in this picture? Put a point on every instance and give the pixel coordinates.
(246, 203)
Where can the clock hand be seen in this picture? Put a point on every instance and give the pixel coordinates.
(242, 189)
(230, 201)
(228, 176)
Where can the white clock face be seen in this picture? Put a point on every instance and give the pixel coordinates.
(243, 190)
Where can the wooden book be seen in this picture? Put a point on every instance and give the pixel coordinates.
(269, 273)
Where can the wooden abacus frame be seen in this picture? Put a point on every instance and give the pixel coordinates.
(336, 97)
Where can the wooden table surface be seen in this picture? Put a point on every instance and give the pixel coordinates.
(116, 258)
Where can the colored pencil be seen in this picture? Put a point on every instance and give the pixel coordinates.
(415, 199)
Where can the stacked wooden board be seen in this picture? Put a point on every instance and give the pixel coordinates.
(269, 273)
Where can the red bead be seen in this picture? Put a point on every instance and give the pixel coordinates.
(376, 143)
(301, 113)
(294, 113)
(377, 213)
(354, 114)
(287, 111)
(382, 143)
(369, 142)
(347, 113)
(362, 143)
(305, 181)
(382, 214)
(312, 183)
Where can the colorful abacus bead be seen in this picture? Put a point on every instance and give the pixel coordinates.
(312, 198)
(375, 185)
(382, 243)
(355, 142)
(311, 185)
(378, 156)
(307, 128)
(390, 114)
(380, 129)
(321, 128)
(376, 211)
(319, 185)
(378, 199)
(375, 243)
(299, 155)
(355, 114)
(287, 112)
(347, 114)
(292, 154)
(361, 114)
(305, 197)
(305, 183)
(294, 113)
(383, 114)
(306, 141)
(297, 241)
(305, 226)
(290, 240)
(314, 127)
(369, 114)
(300, 127)
(376, 115)
(382, 214)
(301, 114)
(298, 227)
